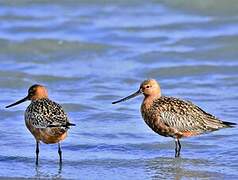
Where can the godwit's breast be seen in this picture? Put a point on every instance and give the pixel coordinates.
(151, 114)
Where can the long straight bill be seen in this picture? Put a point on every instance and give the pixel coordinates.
(128, 97)
(18, 102)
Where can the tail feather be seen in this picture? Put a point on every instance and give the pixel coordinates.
(215, 124)
(67, 125)
(70, 124)
(229, 124)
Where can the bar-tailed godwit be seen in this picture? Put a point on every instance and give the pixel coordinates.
(173, 117)
(45, 119)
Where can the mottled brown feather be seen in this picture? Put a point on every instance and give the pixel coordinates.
(174, 117)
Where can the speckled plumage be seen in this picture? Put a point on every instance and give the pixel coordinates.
(174, 117)
(45, 113)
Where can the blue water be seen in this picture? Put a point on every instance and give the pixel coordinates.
(89, 54)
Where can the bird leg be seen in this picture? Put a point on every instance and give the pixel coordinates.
(37, 152)
(177, 147)
(60, 153)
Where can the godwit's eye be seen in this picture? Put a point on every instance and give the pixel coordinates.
(32, 91)
(147, 86)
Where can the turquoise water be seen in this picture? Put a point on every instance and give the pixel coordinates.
(89, 54)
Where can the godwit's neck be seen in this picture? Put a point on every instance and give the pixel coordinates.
(39, 99)
(149, 99)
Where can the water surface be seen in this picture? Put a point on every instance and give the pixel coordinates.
(91, 53)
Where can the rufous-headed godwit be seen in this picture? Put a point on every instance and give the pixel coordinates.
(173, 117)
(45, 119)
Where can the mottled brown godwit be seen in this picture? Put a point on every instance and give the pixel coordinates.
(173, 117)
(45, 119)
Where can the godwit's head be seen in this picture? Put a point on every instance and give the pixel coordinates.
(35, 92)
(150, 88)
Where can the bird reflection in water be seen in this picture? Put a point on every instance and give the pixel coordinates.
(43, 172)
(170, 168)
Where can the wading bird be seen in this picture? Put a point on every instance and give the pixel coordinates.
(173, 117)
(45, 119)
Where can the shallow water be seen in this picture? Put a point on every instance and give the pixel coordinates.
(91, 53)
